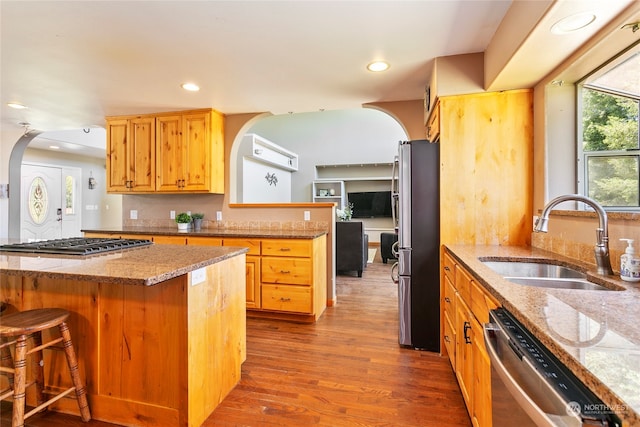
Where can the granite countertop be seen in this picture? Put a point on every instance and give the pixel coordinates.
(596, 334)
(148, 265)
(215, 232)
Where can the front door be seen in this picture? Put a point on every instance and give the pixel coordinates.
(50, 202)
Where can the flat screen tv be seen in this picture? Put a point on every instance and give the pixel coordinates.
(370, 204)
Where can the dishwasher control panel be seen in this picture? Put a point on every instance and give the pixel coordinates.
(562, 381)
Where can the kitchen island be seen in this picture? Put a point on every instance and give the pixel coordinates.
(160, 331)
(594, 333)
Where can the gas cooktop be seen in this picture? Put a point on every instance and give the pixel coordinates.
(75, 246)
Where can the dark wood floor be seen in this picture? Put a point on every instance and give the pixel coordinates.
(345, 370)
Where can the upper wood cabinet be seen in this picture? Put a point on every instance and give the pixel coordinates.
(131, 165)
(185, 153)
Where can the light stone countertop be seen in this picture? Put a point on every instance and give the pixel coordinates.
(596, 334)
(256, 233)
(148, 265)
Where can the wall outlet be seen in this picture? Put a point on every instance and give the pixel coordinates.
(307, 215)
(133, 214)
(172, 214)
(218, 216)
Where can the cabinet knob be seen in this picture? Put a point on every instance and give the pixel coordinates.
(447, 299)
(446, 267)
(447, 339)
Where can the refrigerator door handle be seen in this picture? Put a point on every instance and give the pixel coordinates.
(394, 273)
(394, 192)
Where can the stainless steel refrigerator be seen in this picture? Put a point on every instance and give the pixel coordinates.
(416, 211)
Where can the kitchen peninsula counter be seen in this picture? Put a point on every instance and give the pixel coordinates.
(160, 330)
(596, 334)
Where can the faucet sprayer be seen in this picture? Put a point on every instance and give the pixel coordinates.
(601, 250)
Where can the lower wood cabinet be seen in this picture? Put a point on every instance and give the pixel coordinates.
(465, 308)
(285, 278)
(252, 270)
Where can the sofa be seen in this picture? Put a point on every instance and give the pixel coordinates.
(352, 247)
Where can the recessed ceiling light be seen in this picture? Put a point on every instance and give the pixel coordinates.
(16, 105)
(378, 66)
(54, 147)
(191, 87)
(573, 23)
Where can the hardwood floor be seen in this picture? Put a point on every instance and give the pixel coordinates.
(345, 370)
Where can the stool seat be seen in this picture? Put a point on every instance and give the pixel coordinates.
(30, 321)
(15, 330)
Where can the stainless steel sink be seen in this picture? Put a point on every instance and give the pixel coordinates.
(543, 275)
(533, 269)
(543, 282)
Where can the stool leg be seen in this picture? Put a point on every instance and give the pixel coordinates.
(38, 367)
(81, 392)
(20, 381)
(6, 361)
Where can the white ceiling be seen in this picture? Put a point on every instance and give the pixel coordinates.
(75, 62)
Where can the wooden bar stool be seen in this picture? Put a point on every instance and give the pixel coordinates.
(15, 329)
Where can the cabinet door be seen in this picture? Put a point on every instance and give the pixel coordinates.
(253, 281)
(464, 349)
(196, 149)
(169, 156)
(481, 378)
(117, 155)
(141, 156)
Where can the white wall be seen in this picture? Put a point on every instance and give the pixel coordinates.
(109, 206)
(331, 137)
(256, 188)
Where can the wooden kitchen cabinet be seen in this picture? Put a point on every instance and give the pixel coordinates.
(486, 168)
(131, 152)
(293, 278)
(253, 288)
(433, 123)
(169, 153)
(465, 309)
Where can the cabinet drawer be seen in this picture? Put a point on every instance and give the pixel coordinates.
(449, 300)
(253, 245)
(287, 298)
(170, 240)
(481, 302)
(287, 247)
(463, 284)
(204, 241)
(448, 265)
(450, 338)
(296, 271)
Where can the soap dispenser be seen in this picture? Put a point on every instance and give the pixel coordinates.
(629, 263)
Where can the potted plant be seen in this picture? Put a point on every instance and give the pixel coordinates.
(183, 219)
(197, 221)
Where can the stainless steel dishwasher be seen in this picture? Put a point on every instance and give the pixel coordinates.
(530, 386)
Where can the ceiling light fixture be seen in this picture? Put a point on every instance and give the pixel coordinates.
(54, 147)
(191, 87)
(378, 66)
(16, 105)
(573, 23)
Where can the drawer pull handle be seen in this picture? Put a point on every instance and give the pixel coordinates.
(446, 267)
(447, 339)
(285, 249)
(447, 299)
(283, 299)
(285, 271)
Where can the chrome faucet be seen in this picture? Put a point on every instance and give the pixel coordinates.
(603, 261)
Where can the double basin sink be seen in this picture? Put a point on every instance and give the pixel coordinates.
(543, 275)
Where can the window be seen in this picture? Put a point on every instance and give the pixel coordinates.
(608, 135)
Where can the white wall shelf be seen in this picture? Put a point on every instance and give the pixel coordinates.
(325, 190)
